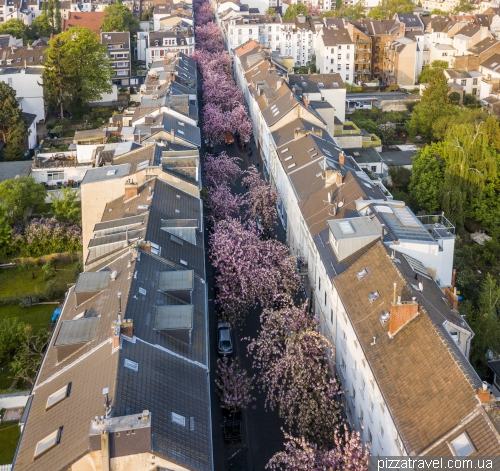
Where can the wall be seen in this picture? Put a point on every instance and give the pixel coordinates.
(106, 98)
(14, 400)
(70, 173)
(405, 65)
(336, 98)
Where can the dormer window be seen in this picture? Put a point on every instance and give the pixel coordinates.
(58, 396)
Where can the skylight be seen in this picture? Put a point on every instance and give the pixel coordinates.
(314, 155)
(288, 158)
(345, 227)
(131, 365)
(362, 273)
(311, 149)
(292, 165)
(58, 396)
(462, 445)
(373, 296)
(111, 172)
(285, 150)
(179, 419)
(48, 442)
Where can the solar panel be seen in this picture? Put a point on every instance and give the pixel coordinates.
(345, 227)
(417, 266)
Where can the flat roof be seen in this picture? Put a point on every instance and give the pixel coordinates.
(179, 280)
(106, 173)
(349, 228)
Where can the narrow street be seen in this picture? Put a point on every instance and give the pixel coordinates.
(262, 435)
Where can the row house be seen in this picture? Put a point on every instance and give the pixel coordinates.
(490, 80)
(166, 16)
(362, 52)
(380, 280)
(464, 82)
(155, 45)
(118, 46)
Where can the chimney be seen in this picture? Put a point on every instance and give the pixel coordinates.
(340, 179)
(483, 394)
(401, 314)
(131, 190)
(172, 135)
(306, 102)
(105, 450)
(453, 280)
(294, 90)
(341, 159)
(165, 60)
(297, 132)
(451, 297)
(278, 84)
(115, 334)
(168, 106)
(127, 328)
(331, 177)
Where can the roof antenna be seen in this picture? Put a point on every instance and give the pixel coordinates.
(119, 308)
(374, 341)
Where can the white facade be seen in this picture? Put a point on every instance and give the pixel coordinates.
(29, 91)
(338, 58)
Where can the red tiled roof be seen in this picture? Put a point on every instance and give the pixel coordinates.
(90, 20)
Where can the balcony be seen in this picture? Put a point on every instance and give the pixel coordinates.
(438, 226)
(349, 128)
(373, 142)
(362, 72)
(362, 60)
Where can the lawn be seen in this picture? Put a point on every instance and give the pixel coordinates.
(9, 436)
(21, 281)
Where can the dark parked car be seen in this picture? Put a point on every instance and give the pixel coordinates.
(224, 339)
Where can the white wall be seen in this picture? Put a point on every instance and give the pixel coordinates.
(27, 87)
(13, 400)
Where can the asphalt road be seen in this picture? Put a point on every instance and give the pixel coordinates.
(262, 435)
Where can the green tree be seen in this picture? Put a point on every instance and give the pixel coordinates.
(66, 207)
(11, 331)
(484, 321)
(77, 70)
(16, 28)
(5, 232)
(57, 18)
(427, 178)
(29, 354)
(270, 11)
(388, 8)
(50, 11)
(41, 26)
(465, 6)
(293, 10)
(19, 195)
(354, 12)
(434, 105)
(430, 72)
(118, 17)
(437, 11)
(328, 14)
(462, 115)
(13, 127)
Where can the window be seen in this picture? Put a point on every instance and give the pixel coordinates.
(348, 56)
(342, 363)
(360, 415)
(48, 442)
(370, 410)
(319, 284)
(121, 64)
(369, 436)
(474, 81)
(363, 387)
(474, 91)
(331, 61)
(343, 340)
(444, 54)
(331, 316)
(339, 67)
(355, 369)
(462, 445)
(347, 67)
(55, 176)
(463, 83)
(239, 32)
(122, 72)
(339, 57)
(249, 31)
(381, 432)
(58, 396)
(331, 50)
(374, 168)
(347, 77)
(325, 297)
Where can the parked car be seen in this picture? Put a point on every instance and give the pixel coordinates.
(228, 138)
(224, 339)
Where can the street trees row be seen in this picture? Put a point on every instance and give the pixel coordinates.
(223, 105)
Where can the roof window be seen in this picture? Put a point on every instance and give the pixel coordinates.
(179, 419)
(374, 296)
(58, 396)
(48, 442)
(314, 155)
(131, 365)
(288, 158)
(285, 150)
(111, 172)
(462, 445)
(362, 273)
(292, 165)
(346, 227)
(311, 149)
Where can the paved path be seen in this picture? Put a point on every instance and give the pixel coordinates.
(262, 436)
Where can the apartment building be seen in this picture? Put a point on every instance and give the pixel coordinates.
(155, 45)
(336, 52)
(118, 45)
(119, 388)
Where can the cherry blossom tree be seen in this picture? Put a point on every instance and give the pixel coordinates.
(204, 14)
(220, 90)
(221, 170)
(249, 271)
(289, 352)
(222, 204)
(214, 123)
(234, 386)
(346, 454)
(261, 199)
(240, 121)
(208, 37)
